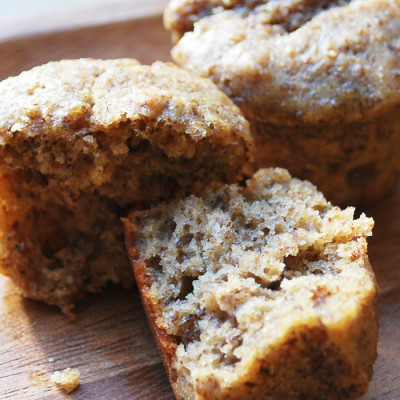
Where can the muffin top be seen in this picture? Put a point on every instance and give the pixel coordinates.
(294, 61)
(170, 107)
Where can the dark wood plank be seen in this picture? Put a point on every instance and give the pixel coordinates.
(143, 39)
(384, 252)
(109, 342)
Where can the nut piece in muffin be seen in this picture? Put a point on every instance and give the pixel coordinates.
(82, 141)
(258, 292)
(318, 80)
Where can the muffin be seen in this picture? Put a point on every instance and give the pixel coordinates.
(258, 292)
(319, 82)
(83, 141)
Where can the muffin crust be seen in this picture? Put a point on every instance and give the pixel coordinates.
(313, 62)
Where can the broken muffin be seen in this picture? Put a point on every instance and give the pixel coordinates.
(82, 141)
(258, 292)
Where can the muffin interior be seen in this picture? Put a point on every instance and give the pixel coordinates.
(63, 194)
(246, 279)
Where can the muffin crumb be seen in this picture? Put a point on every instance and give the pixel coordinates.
(67, 380)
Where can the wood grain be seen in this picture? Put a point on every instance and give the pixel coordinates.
(110, 341)
(144, 39)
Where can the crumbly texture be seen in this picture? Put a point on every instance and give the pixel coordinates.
(258, 292)
(67, 380)
(306, 66)
(81, 142)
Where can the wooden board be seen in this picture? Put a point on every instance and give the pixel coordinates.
(110, 341)
(144, 39)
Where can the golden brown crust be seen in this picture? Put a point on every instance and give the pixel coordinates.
(80, 141)
(299, 62)
(87, 95)
(264, 292)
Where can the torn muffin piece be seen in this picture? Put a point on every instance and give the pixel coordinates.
(258, 292)
(81, 142)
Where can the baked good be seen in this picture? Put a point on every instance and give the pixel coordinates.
(318, 81)
(82, 141)
(258, 292)
(67, 380)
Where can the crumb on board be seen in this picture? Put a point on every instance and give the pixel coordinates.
(67, 380)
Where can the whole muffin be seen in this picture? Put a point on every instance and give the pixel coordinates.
(82, 141)
(318, 80)
(262, 292)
